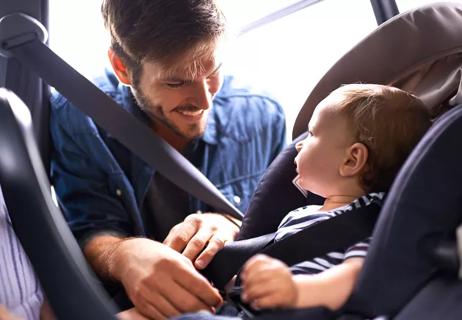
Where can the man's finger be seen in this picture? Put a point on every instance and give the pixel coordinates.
(150, 311)
(214, 245)
(162, 304)
(197, 285)
(197, 243)
(184, 300)
(180, 235)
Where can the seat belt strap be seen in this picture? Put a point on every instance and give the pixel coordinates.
(123, 126)
(350, 227)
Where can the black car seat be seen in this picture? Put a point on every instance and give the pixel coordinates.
(402, 275)
(419, 51)
(38, 223)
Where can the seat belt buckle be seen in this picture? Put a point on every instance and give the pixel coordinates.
(17, 29)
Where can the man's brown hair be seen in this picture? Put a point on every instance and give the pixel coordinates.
(160, 30)
(389, 122)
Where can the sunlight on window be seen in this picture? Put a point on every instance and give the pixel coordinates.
(289, 56)
(78, 35)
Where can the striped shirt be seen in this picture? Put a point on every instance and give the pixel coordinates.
(20, 291)
(307, 216)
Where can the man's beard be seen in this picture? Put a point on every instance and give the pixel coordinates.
(156, 114)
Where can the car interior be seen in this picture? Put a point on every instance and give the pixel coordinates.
(419, 50)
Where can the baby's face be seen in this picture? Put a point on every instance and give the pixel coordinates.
(323, 151)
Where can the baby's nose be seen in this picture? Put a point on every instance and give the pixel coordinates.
(299, 146)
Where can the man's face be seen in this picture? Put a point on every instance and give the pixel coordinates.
(178, 99)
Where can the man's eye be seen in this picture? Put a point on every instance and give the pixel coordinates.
(176, 84)
(213, 76)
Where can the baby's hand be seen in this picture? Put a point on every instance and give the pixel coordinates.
(268, 283)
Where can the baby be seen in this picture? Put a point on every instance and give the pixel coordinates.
(358, 138)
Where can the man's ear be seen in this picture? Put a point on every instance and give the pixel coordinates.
(355, 160)
(119, 67)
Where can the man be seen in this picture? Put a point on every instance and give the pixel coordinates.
(167, 59)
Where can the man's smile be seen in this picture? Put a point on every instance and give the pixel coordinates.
(192, 113)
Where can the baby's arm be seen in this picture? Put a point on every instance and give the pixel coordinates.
(330, 288)
(268, 283)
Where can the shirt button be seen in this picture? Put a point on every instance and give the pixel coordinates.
(237, 199)
(119, 192)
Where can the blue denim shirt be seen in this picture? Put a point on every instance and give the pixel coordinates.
(101, 186)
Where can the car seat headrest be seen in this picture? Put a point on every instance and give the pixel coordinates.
(419, 51)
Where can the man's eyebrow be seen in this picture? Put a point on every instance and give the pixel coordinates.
(177, 78)
(216, 69)
(174, 79)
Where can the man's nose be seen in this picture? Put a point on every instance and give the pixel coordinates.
(202, 95)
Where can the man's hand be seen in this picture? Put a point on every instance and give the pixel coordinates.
(160, 282)
(200, 236)
(268, 283)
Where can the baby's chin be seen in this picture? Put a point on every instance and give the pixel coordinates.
(302, 184)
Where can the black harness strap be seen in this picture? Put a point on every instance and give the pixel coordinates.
(350, 227)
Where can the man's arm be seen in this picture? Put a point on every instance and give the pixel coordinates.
(159, 281)
(87, 179)
(99, 252)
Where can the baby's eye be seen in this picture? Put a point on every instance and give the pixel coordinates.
(309, 133)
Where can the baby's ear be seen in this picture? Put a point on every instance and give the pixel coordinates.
(355, 160)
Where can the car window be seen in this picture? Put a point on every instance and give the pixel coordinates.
(77, 34)
(289, 56)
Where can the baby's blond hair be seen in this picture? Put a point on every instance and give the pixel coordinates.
(389, 122)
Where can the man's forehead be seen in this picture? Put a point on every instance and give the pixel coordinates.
(189, 66)
(191, 70)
